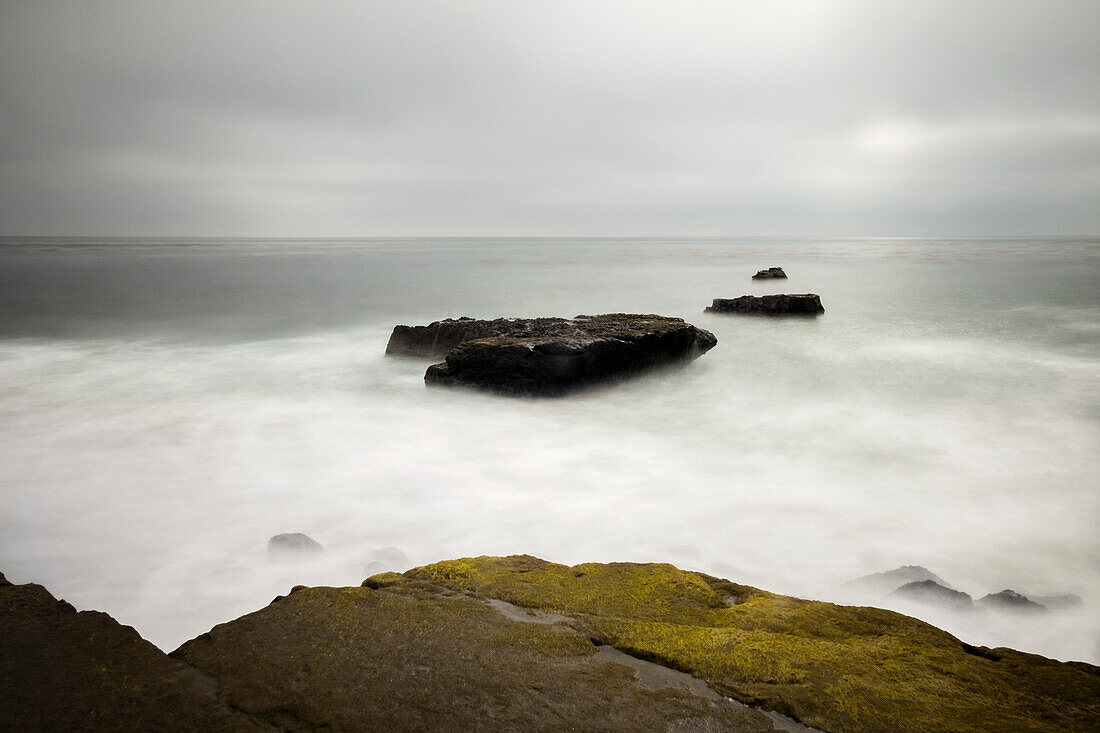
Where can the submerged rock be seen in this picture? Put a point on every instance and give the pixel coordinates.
(1059, 602)
(549, 356)
(294, 544)
(807, 304)
(891, 580)
(65, 670)
(931, 592)
(1010, 600)
(772, 273)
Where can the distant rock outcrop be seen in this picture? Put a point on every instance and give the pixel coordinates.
(1059, 602)
(1010, 600)
(807, 304)
(772, 273)
(933, 593)
(549, 356)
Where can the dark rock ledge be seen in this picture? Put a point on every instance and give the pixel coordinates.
(518, 643)
(807, 304)
(548, 356)
(772, 273)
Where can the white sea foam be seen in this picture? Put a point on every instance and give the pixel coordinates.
(144, 474)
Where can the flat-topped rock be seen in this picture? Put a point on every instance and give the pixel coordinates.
(772, 273)
(549, 356)
(807, 304)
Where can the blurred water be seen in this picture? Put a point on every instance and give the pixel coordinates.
(166, 407)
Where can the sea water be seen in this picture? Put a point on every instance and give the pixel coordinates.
(168, 406)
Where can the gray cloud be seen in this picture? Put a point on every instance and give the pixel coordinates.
(410, 117)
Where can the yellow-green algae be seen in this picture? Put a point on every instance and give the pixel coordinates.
(837, 668)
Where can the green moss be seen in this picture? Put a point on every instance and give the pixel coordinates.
(837, 668)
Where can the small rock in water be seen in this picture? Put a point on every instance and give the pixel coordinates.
(805, 304)
(1010, 600)
(387, 559)
(929, 591)
(771, 273)
(292, 545)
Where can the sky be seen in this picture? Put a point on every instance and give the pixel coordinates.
(584, 118)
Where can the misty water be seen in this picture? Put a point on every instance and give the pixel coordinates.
(166, 407)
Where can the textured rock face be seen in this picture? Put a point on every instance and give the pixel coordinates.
(401, 654)
(772, 273)
(61, 670)
(549, 356)
(929, 591)
(837, 668)
(807, 304)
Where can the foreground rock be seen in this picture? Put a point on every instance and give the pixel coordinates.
(518, 643)
(807, 304)
(772, 273)
(62, 670)
(549, 356)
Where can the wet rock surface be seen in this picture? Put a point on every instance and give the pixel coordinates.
(806, 304)
(549, 356)
(62, 670)
(402, 654)
(772, 273)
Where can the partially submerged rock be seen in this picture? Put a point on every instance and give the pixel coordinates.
(1060, 601)
(292, 545)
(890, 580)
(1010, 600)
(549, 356)
(807, 304)
(772, 273)
(931, 592)
(62, 670)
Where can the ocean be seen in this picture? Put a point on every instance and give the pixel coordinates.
(166, 406)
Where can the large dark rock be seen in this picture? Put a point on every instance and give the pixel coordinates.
(772, 273)
(1010, 600)
(61, 670)
(807, 304)
(931, 592)
(549, 356)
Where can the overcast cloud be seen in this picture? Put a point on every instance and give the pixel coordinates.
(556, 118)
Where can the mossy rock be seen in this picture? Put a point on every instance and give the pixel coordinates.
(415, 655)
(837, 668)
